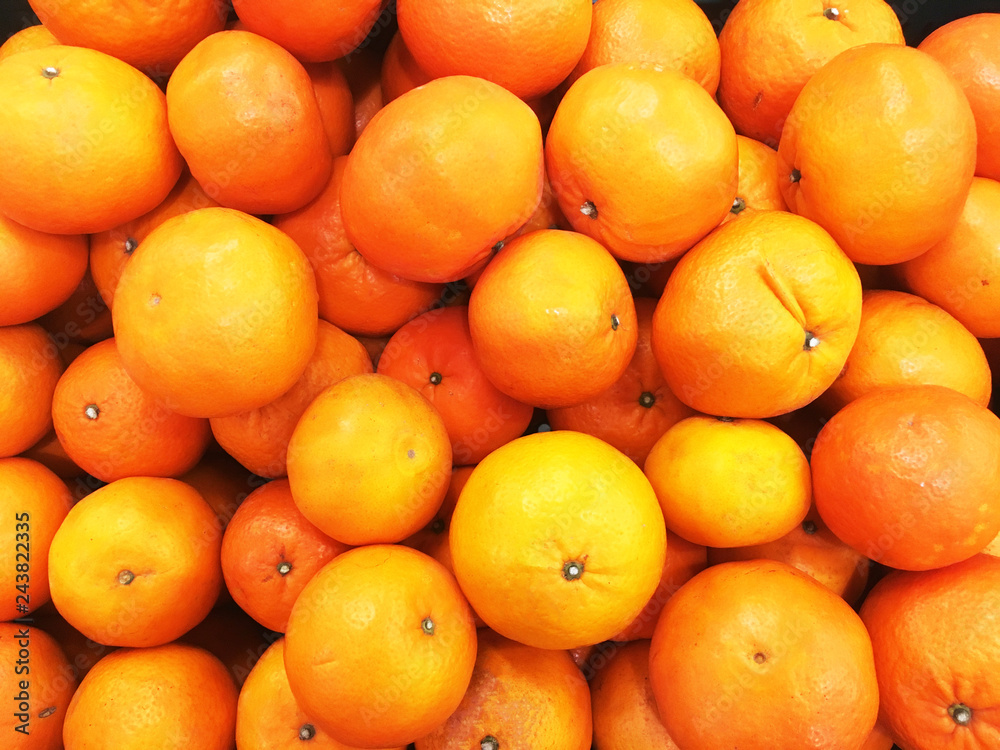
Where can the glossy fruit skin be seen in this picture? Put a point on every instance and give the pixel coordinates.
(112, 429)
(268, 715)
(960, 273)
(34, 502)
(76, 162)
(40, 696)
(369, 461)
(560, 344)
(313, 31)
(38, 271)
(757, 319)
(655, 180)
(572, 508)
(522, 696)
(729, 483)
(673, 33)
(274, 159)
(967, 47)
(625, 713)
(135, 698)
(151, 38)
(188, 290)
(636, 409)
(115, 587)
(771, 48)
(758, 188)
(460, 196)
(433, 354)
(259, 438)
(526, 46)
(948, 613)
(849, 116)
(30, 367)
(759, 655)
(905, 340)
(889, 466)
(369, 616)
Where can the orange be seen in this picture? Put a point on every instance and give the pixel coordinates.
(526, 46)
(552, 319)
(245, 117)
(29, 369)
(82, 319)
(111, 250)
(369, 460)
(758, 182)
(353, 294)
(87, 147)
(173, 696)
(433, 354)
(400, 72)
(684, 560)
(380, 646)
(880, 149)
(637, 408)
(642, 159)
(258, 439)
(936, 654)
(519, 696)
(759, 318)
(137, 562)
(270, 552)
(38, 271)
(910, 476)
(969, 48)
(33, 503)
(38, 683)
(215, 313)
(771, 48)
(150, 38)
(222, 483)
(582, 544)
(268, 716)
(905, 340)
(28, 38)
(673, 33)
(625, 714)
(429, 160)
(313, 31)
(336, 104)
(726, 482)
(812, 548)
(759, 655)
(112, 429)
(961, 273)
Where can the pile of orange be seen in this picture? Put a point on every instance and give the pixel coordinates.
(488, 375)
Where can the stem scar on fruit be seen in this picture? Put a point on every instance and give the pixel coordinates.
(50, 72)
(572, 570)
(125, 577)
(436, 378)
(284, 568)
(960, 714)
(739, 205)
(647, 399)
(589, 209)
(489, 742)
(832, 13)
(92, 411)
(427, 625)
(307, 732)
(811, 341)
